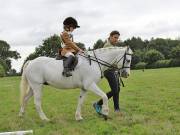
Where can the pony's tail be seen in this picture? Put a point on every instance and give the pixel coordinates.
(24, 86)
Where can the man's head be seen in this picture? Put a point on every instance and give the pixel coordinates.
(114, 37)
(70, 23)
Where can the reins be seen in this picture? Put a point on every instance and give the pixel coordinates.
(104, 63)
(98, 64)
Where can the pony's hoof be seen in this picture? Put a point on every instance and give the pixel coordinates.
(46, 119)
(105, 117)
(79, 119)
(21, 114)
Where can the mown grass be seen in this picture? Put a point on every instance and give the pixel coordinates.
(150, 105)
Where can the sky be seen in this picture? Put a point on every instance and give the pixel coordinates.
(24, 24)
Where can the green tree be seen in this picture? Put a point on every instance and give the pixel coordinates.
(81, 45)
(12, 72)
(152, 56)
(49, 48)
(175, 52)
(6, 55)
(98, 44)
(138, 56)
(2, 71)
(136, 43)
(162, 45)
(3, 63)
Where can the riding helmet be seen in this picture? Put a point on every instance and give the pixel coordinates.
(71, 22)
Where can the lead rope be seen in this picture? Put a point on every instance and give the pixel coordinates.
(98, 64)
(120, 79)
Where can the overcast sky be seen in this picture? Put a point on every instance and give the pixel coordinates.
(24, 24)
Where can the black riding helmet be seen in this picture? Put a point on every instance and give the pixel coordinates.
(70, 21)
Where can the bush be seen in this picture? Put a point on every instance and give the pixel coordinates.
(175, 52)
(161, 64)
(152, 56)
(165, 63)
(140, 65)
(2, 71)
(4, 65)
(137, 57)
(175, 63)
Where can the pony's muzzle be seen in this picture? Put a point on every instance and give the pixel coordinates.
(125, 74)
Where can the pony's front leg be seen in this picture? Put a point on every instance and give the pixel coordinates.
(94, 88)
(78, 116)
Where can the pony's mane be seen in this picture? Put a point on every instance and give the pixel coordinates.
(100, 50)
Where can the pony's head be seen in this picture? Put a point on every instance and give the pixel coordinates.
(124, 62)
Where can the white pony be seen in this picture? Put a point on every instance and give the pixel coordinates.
(86, 75)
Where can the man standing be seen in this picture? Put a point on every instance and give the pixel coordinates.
(112, 77)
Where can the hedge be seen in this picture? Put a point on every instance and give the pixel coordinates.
(140, 65)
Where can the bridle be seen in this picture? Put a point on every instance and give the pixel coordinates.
(124, 58)
(104, 63)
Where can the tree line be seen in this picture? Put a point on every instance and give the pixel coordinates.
(153, 53)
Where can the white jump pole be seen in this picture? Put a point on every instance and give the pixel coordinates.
(17, 132)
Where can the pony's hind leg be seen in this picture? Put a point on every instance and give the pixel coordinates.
(80, 102)
(25, 101)
(37, 91)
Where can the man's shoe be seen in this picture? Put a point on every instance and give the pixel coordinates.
(117, 110)
(97, 108)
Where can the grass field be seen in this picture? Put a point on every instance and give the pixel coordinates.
(150, 105)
